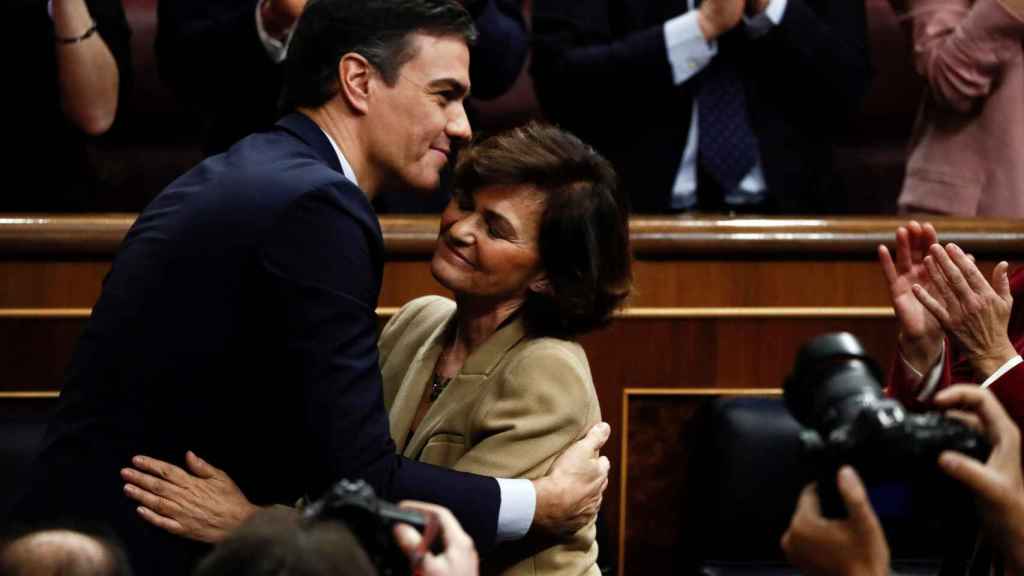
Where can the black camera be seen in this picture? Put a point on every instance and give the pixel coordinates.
(371, 519)
(834, 392)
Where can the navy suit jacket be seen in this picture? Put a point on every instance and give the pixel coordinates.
(238, 321)
(601, 69)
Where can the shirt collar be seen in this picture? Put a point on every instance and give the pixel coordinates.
(346, 168)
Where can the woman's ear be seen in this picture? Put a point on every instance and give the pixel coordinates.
(541, 284)
(354, 78)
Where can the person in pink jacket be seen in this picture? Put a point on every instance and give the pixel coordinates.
(967, 149)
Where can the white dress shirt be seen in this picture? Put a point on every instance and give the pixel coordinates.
(689, 53)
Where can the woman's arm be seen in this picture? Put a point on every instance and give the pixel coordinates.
(961, 47)
(87, 74)
(203, 503)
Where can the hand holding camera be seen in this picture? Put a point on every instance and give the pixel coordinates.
(997, 483)
(819, 545)
(458, 554)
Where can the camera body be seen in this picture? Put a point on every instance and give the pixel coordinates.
(371, 520)
(834, 392)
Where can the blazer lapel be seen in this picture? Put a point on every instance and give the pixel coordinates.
(464, 386)
(407, 400)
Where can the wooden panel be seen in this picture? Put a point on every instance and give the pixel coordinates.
(51, 284)
(679, 237)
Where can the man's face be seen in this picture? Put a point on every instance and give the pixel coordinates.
(417, 122)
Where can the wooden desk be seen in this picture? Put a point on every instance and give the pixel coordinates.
(721, 306)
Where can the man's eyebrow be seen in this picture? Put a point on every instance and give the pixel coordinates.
(449, 84)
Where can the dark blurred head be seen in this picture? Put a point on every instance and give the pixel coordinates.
(277, 542)
(537, 217)
(62, 553)
(378, 30)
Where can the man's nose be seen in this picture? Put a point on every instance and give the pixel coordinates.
(458, 124)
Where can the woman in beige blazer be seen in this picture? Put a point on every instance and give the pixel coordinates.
(535, 249)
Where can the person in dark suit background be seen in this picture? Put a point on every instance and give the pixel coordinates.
(730, 105)
(238, 319)
(222, 58)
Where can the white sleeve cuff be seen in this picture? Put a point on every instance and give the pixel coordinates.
(518, 503)
(930, 381)
(1002, 370)
(760, 24)
(688, 51)
(276, 49)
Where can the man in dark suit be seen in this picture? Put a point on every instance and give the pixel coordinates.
(238, 319)
(720, 104)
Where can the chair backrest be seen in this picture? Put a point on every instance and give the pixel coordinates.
(747, 470)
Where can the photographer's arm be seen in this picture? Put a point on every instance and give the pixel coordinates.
(997, 484)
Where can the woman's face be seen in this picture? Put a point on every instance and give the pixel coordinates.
(487, 247)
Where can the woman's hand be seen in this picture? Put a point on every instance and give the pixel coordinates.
(921, 334)
(968, 307)
(205, 505)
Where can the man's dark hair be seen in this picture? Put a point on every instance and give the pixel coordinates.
(279, 542)
(379, 30)
(62, 552)
(584, 229)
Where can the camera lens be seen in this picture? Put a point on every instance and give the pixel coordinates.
(833, 379)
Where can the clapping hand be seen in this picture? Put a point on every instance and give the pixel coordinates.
(968, 307)
(921, 334)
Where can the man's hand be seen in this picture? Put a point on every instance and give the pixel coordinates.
(921, 334)
(755, 7)
(852, 546)
(716, 17)
(569, 497)
(203, 505)
(279, 16)
(997, 484)
(968, 307)
(459, 557)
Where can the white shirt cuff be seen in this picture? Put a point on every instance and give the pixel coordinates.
(276, 49)
(1002, 370)
(929, 381)
(688, 51)
(518, 503)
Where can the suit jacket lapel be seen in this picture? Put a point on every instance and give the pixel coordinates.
(407, 400)
(465, 385)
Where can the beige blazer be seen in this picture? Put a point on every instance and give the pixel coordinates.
(516, 404)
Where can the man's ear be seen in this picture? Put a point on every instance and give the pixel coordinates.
(541, 284)
(354, 77)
